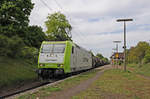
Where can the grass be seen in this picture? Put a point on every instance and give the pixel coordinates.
(117, 84)
(65, 85)
(43, 92)
(143, 70)
(15, 71)
(76, 80)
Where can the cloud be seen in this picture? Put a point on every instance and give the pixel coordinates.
(94, 21)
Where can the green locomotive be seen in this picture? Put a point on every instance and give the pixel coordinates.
(62, 57)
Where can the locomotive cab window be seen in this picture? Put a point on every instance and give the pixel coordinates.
(59, 48)
(46, 48)
(53, 48)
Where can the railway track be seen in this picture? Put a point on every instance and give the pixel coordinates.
(38, 86)
(25, 89)
(43, 83)
(31, 89)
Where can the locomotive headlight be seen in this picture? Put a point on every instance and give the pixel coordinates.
(42, 64)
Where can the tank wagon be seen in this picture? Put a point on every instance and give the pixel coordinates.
(63, 57)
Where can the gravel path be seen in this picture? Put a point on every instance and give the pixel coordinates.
(67, 94)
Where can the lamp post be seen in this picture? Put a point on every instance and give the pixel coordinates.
(117, 45)
(113, 57)
(124, 20)
(117, 55)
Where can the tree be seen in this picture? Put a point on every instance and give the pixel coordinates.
(147, 56)
(132, 55)
(105, 60)
(100, 55)
(141, 49)
(34, 36)
(15, 33)
(58, 27)
(14, 16)
(10, 46)
(138, 53)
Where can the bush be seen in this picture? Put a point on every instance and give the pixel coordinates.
(4, 45)
(29, 53)
(15, 44)
(10, 46)
(14, 47)
(147, 56)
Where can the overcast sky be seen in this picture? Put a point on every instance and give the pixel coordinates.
(94, 21)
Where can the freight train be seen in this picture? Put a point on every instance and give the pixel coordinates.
(64, 57)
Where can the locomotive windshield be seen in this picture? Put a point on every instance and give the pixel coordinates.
(53, 48)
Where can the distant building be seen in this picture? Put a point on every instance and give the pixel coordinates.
(119, 56)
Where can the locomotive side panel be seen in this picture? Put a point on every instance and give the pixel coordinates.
(80, 59)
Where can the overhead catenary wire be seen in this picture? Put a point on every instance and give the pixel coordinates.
(80, 33)
(58, 4)
(46, 5)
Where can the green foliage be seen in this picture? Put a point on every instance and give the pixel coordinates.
(15, 48)
(141, 49)
(132, 55)
(140, 53)
(14, 16)
(15, 71)
(18, 42)
(10, 46)
(34, 36)
(144, 70)
(4, 45)
(105, 59)
(147, 56)
(15, 45)
(100, 55)
(58, 27)
(29, 53)
(18, 39)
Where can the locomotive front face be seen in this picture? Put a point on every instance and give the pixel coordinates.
(52, 55)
